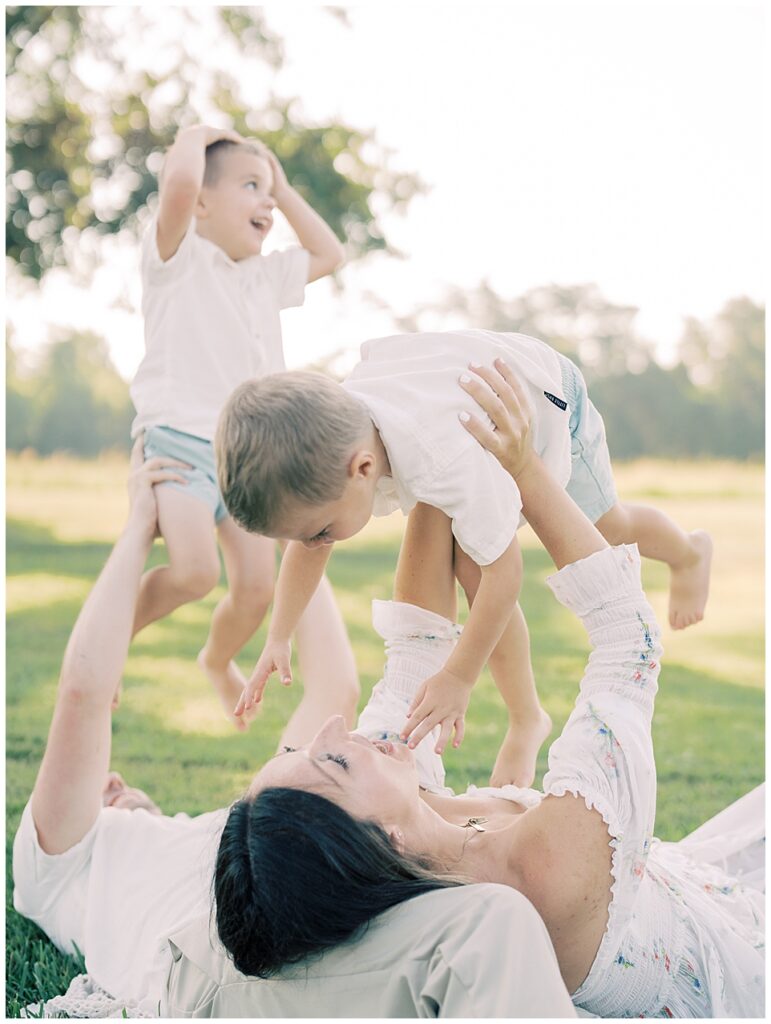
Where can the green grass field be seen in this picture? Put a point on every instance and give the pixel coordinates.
(171, 739)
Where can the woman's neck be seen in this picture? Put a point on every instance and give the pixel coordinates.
(458, 849)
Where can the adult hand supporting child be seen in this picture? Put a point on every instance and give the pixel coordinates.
(506, 403)
(143, 475)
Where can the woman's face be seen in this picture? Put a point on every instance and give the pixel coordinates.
(369, 779)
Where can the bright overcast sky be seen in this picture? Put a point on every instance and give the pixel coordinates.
(616, 143)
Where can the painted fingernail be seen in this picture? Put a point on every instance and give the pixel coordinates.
(465, 379)
(464, 417)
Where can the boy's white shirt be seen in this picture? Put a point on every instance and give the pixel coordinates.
(210, 324)
(409, 383)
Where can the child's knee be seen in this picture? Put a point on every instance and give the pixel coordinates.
(197, 578)
(253, 596)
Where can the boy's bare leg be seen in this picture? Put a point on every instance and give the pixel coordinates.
(328, 668)
(250, 563)
(688, 555)
(424, 572)
(424, 577)
(186, 525)
(512, 671)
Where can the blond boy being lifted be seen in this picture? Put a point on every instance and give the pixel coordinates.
(307, 459)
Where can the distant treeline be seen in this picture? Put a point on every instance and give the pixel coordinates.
(710, 404)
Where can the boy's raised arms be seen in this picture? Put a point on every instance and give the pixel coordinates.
(181, 182)
(313, 233)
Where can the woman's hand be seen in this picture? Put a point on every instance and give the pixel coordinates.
(506, 403)
(143, 475)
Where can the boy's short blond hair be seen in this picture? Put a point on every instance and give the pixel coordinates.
(283, 438)
(217, 152)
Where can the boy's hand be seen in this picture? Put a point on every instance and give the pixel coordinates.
(143, 475)
(441, 699)
(280, 183)
(276, 657)
(507, 405)
(209, 135)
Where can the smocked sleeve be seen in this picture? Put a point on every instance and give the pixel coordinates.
(605, 752)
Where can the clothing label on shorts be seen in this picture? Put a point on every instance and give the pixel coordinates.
(556, 401)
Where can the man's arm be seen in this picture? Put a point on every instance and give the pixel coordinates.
(68, 791)
(444, 697)
(181, 181)
(299, 576)
(314, 234)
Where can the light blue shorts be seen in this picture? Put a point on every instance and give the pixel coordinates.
(591, 478)
(196, 452)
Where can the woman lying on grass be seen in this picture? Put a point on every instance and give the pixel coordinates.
(680, 936)
(99, 867)
(640, 928)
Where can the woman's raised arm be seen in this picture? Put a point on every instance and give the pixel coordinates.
(68, 792)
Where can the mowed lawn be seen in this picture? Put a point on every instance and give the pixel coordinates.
(171, 739)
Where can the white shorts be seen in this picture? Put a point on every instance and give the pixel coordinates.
(52, 889)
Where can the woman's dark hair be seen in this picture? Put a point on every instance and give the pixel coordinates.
(297, 875)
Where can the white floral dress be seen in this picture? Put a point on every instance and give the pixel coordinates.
(685, 928)
(685, 934)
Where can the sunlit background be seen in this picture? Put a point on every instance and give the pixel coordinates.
(588, 172)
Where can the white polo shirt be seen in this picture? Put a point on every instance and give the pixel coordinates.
(210, 323)
(409, 383)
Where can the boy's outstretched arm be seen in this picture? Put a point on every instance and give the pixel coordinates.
(313, 232)
(444, 697)
(299, 576)
(181, 181)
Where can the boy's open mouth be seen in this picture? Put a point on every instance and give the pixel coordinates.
(261, 223)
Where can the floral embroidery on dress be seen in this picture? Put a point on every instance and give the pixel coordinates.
(622, 961)
(605, 731)
(660, 954)
(689, 971)
(724, 890)
(645, 656)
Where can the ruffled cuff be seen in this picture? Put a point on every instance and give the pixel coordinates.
(417, 644)
(599, 579)
(398, 620)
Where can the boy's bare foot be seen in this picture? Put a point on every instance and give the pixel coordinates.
(689, 587)
(228, 683)
(516, 759)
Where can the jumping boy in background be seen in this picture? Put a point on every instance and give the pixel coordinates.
(306, 459)
(211, 305)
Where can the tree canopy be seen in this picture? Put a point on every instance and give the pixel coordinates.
(90, 112)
